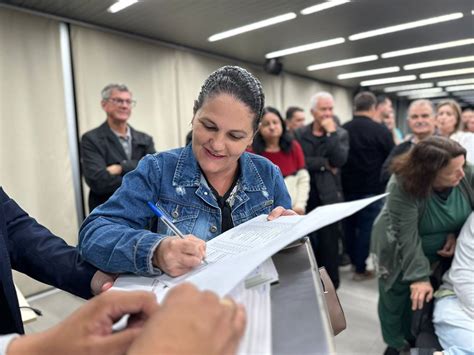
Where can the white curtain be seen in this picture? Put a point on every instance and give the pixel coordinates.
(34, 154)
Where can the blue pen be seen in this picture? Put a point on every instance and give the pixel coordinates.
(166, 221)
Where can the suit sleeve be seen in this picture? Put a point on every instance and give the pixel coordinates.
(38, 253)
(129, 165)
(94, 168)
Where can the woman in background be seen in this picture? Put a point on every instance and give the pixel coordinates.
(389, 122)
(448, 117)
(275, 143)
(431, 196)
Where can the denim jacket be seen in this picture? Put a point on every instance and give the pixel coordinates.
(114, 237)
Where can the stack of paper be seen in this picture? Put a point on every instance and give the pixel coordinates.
(254, 294)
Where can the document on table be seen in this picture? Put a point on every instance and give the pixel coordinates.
(234, 254)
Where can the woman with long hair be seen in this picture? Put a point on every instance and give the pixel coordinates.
(430, 198)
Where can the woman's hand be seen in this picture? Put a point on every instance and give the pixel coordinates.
(420, 291)
(280, 211)
(176, 256)
(102, 281)
(299, 211)
(449, 246)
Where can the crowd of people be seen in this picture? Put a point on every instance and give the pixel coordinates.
(243, 159)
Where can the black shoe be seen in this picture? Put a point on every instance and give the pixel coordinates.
(391, 351)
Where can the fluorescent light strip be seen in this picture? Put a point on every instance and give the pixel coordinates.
(305, 47)
(342, 62)
(396, 79)
(416, 92)
(431, 47)
(323, 6)
(436, 63)
(120, 5)
(428, 95)
(455, 82)
(460, 88)
(252, 26)
(406, 26)
(408, 87)
(359, 74)
(453, 72)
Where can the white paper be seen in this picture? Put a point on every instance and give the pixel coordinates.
(234, 254)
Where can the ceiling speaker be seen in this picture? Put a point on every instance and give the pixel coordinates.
(273, 66)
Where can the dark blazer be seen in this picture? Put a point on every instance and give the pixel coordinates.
(320, 153)
(30, 248)
(100, 148)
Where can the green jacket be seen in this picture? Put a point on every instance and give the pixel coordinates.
(395, 240)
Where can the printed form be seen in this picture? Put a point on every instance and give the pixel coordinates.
(236, 253)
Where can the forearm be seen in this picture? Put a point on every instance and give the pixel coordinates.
(302, 189)
(116, 248)
(33, 344)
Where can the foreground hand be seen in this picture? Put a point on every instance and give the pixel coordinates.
(280, 211)
(89, 329)
(419, 292)
(192, 322)
(114, 169)
(102, 281)
(449, 246)
(176, 256)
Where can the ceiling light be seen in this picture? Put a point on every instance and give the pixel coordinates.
(435, 63)
(358, 74)
(252, 26)
(342, 62)
(432, 47)
(408, 87)
(428, 95)
(456, 82)
(397, 79)
(120, 5)
(460, 88)
(323, 6)
(438, 74)
(305, 47)
(416, 92)
(406, 26)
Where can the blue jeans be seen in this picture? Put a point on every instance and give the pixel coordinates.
(357, 230)
(453, 326)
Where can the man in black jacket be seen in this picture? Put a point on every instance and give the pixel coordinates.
(325, 147)
(370, 144)
(114, 148)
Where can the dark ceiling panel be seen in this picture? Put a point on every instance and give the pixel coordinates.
(190, 22)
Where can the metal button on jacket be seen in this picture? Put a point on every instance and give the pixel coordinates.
(213, 229)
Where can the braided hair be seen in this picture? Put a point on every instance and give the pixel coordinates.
(237, 82)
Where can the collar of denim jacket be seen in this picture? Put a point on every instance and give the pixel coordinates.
(188, 173)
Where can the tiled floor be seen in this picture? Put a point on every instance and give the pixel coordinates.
(358, 299)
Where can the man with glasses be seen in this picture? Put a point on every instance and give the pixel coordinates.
(114, 148)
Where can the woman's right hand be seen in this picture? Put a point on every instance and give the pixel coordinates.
(420, 291)
(176, 256)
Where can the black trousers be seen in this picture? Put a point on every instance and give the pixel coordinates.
(325, 243)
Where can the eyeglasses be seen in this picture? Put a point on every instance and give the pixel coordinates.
(118, 102)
